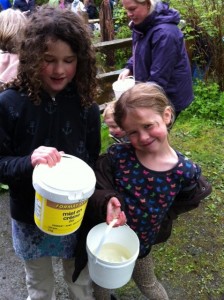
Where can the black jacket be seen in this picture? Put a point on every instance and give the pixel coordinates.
(63, 124)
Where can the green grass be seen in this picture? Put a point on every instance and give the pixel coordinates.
(191, 264)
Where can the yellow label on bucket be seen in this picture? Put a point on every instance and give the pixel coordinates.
(58, 218)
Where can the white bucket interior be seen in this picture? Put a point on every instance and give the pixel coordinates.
(120, 86)
(109, 274)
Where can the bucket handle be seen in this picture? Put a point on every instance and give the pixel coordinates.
(128, 77)
(102, 241)
(67, 155)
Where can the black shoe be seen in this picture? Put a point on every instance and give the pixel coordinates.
(112, 297)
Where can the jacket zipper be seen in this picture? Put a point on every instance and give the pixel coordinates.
(54, 100)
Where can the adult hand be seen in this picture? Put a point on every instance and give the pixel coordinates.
(46, 155)
(124, 74)
(114, 212)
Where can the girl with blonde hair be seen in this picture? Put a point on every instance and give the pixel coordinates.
(12, 23)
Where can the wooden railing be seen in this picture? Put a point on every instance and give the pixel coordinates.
(107, 78)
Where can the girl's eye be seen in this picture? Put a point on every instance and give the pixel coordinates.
(69, 61)
(149, 126)
(130, 134)
(48, 60)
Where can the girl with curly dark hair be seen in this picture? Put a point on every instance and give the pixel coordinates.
(47, 110)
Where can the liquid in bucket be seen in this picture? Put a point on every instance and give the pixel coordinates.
(112, 252)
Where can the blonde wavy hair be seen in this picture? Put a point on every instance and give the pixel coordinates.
(12, 23)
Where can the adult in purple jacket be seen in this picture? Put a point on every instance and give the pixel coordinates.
(159, 54)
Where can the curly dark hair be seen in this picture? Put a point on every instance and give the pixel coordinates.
(56, 24)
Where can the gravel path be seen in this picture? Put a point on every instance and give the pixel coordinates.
(12, 275)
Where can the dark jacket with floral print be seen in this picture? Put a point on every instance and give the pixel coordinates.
(188, 198)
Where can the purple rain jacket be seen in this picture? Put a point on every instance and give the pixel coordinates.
(159, 55)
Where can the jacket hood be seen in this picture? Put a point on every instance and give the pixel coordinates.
(8, 66)
(162, 14)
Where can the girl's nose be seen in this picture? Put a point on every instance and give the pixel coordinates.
(59, 69)
(143, 136)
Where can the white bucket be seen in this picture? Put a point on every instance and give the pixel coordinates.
(107, 273)
(122, 85)
(62, 194)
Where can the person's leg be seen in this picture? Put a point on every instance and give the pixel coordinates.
(146, 280)
(101, 293)
(81, 289)
(40, 279)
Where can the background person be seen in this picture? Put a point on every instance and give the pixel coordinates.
(115, 131)
(5, 4)
(12, 22)
(47, 110)
(158, 53)
(27, 6)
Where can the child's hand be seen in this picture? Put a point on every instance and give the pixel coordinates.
(46, 155)
(114, 212)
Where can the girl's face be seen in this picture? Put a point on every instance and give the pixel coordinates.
(113, 128)
(137, 12)
(59, 66)
(147, 130)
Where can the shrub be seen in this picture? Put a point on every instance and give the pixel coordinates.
(208, 103)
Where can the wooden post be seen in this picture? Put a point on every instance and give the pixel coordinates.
(107, 29)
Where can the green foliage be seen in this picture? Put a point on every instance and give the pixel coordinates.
(208, 103)
(122, 55)
(204, 34)
(41, 2)
(120, 15)
(3, 187)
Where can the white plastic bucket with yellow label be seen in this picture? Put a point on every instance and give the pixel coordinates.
(62, 194)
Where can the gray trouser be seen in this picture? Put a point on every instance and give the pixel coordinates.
(40, 280)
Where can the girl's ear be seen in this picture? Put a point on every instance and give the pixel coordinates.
(167, 115)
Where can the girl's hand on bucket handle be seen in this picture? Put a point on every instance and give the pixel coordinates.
(124, 74)
(46, 155)
(114, 212)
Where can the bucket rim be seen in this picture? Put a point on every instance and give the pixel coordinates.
(72, 192)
